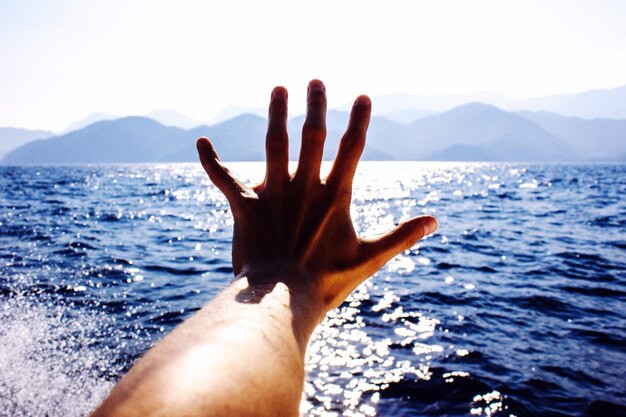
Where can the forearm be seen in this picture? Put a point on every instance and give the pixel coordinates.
(240, 355)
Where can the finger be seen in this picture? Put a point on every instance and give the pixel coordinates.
(376, 252)
(313, 132)
(233, 189)
(352, 144)
(277, 140)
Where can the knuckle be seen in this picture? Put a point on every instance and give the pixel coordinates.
(215, 175)
(314, 126)
(316, 96)
(357, 128)
(407, 240)
(355, 138)
(276, 135)
(278, 107)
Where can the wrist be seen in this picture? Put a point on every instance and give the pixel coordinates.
(300, 282)
(290, 286)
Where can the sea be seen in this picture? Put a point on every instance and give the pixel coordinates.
(516, 306)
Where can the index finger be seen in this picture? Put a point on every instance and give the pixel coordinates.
(352, 144)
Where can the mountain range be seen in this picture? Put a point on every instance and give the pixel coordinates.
(470, 132)
(589, 126)
(599, 103)
(406, 108)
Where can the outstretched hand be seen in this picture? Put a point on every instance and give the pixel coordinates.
(295, 256)
(300, 224)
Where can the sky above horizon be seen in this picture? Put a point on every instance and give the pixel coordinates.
(64, 60)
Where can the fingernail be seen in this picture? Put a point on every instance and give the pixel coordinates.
(279, 92)
(316, 85)
(430, 224)
(201, 143)
(362, 101)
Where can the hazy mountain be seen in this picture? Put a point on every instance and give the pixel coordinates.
(462, 153)
(485, 133)
(12, 138)
(600, 103)
(239, 139)
(172, 118)
(231, 112)
(90, 119)
(600, 139)
(399, 102)
(470, 132)
(406, 116)
(336, 122)
(243, 139)
(131, 139)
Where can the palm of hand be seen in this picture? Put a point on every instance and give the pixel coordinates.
(300, 223)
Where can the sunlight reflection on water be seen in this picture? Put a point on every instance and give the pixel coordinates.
(347, 367)
(518, 287)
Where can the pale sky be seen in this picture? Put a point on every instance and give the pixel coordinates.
(62, 60)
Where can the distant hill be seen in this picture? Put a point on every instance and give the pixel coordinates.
(429, 104)
(88, 120)
(231, 112)
(243, 139)
(130, 139)
(12, 138)
(593, 104)
(486, 133)
(600, 103)
(237, 139)
(172, 118)
(406, 116)
(336, 122)
(597, 139)
(472, 132)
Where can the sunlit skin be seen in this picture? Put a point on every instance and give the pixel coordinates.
(296, 255)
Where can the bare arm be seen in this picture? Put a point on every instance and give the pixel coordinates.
(296, 255)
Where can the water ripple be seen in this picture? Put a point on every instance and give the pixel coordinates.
(514, 307)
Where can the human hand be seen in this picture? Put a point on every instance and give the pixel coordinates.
(298, 227)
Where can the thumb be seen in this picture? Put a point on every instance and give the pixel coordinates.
(379, 250)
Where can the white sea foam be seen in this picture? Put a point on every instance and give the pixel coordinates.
(48, 363)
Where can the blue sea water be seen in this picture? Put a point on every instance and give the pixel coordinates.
(515, 306)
